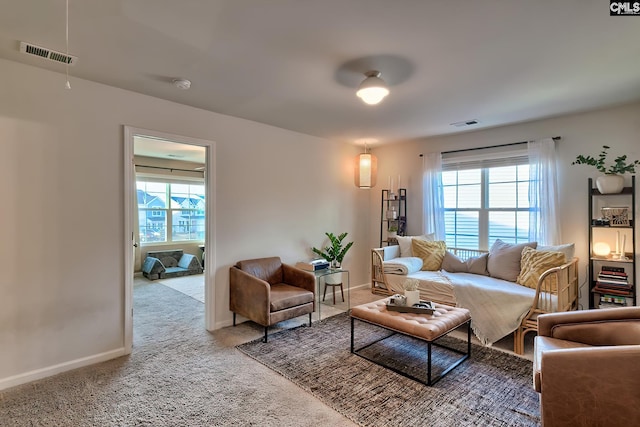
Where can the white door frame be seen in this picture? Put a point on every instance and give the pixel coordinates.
(130, 209)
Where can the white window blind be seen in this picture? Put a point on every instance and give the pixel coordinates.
(485, 158)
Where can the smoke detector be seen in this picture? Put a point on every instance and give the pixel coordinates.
(51, 55)
(182, 84)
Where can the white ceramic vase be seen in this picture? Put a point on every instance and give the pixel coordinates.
(610, 184)
(413, 297)
(333, 279)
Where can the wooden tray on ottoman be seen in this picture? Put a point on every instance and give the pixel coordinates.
(412, 309)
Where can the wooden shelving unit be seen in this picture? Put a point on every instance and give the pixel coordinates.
(390, 203)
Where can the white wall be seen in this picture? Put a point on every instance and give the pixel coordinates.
(62, 227)
(583, 133)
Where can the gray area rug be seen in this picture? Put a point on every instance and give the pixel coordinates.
(492, 388)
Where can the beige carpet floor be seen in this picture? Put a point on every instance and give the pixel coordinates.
(178, 375)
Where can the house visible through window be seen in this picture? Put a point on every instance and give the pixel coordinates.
(486, 200)
(170, 211)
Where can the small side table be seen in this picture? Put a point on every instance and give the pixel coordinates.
(320, 278)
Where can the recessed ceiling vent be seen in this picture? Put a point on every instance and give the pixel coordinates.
(465, 123)
(51, 55)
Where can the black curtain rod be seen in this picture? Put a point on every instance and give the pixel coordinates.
(555, 138)
(170, 169)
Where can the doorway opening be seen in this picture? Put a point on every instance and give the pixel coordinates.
(168, 217)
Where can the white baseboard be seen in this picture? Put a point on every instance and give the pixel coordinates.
(57, 369)
(229, 322)
(364, 285)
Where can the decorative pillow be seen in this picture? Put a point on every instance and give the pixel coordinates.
(405, 243)
(569, 250)
(432, 253)
(534, 263)
(475, 265)
(504, 259)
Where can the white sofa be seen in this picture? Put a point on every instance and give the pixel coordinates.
(498, 307)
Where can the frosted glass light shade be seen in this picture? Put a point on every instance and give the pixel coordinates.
(373, 89)
(366, 170)
(601, 249)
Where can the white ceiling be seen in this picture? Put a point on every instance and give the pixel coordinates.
(296, 64)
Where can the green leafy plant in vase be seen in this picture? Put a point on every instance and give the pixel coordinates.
(612, 181)
(335, 252)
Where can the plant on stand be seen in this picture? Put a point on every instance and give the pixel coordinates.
(334, 253)
(612, 181)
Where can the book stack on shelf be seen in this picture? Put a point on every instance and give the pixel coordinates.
(612, 301)
(613, 285)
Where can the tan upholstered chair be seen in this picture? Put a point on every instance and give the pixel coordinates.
(587, 367)
(267, 291)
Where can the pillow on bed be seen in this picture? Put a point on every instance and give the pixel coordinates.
(534, 263)
(504, 259)
(569, 250)
(405, 243)
(432, 253)
(475, 265)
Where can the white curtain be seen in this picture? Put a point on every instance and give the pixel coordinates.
(433, 215)
(544, 220)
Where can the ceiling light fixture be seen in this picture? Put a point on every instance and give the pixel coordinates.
(366, 170)
(373, 89)
(182, 84)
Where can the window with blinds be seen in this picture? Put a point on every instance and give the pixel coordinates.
(486, 197)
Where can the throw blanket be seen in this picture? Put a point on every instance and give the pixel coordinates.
(497, 307)
(403, 266)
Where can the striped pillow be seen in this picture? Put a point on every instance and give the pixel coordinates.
(432, 253)
(533, 263)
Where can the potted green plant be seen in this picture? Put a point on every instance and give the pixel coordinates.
(392, 230)
(612, 181)
(335, 252)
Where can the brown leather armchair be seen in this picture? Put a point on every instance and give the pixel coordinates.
(587, 367)
(267, 291)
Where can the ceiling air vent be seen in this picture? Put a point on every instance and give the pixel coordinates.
(49, 54)
(465, 123)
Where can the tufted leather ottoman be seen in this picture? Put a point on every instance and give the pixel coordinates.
(425, 327)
